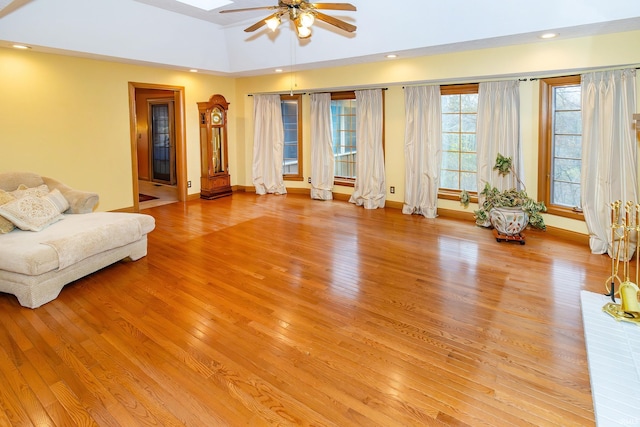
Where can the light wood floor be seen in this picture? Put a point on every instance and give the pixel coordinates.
(278, 310)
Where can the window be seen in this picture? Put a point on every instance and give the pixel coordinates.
(292, 150)
(344, 122)
(459, 149)
(343, 117)
(561, 146)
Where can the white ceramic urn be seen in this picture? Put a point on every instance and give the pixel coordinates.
(509, 221)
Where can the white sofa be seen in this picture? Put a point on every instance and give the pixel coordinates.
(36, 265)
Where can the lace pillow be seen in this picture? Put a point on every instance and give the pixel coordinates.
(6, 226)
(23, 190)
(35, 213)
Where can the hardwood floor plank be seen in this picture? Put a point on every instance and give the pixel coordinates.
(280, 310)
(24, 387)
(73, 406)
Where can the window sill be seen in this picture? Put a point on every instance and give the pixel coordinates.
(344, 182)
(455, 195)
(565, 212)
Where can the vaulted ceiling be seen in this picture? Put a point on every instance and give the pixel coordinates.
(172, 34)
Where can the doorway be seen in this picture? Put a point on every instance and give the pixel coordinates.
(157, 144)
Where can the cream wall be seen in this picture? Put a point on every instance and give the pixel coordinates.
(545, 58)
(68, 118)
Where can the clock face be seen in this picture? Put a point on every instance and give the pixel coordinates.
(216, 116)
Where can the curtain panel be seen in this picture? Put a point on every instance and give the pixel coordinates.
(370, 188)
(498, 131)
(268, 145)
(322, 161)
(609, 152)
(422, 149)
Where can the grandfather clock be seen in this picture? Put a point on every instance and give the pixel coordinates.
(215, 180)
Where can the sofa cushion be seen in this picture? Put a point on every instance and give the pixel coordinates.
(6, 226)
(35, 213)
(25, 252)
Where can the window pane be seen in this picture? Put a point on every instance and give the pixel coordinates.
(568, 146)
(566, 194)
(468, 162)
(568, 122)
(469, 103)
(468, 181)
(568, 98)
(468, 122)
(450, 160)
(468, 143)
(451, 122)
(450, 103)
(567, 170)
(450, 141)
(449, 179)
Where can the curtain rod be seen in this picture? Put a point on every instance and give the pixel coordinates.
(278, 93)
(349, 90)
(319, 91)
(558, 73)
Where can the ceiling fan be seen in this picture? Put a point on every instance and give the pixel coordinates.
(301, 13)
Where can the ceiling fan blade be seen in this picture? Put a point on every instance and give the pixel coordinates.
(260, 23)
(334, 6)
(250, 8)
(336, 22)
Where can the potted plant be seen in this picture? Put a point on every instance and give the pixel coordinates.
(511, 199)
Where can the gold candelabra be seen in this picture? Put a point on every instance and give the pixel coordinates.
(624, 222)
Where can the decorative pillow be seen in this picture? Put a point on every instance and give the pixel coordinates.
(58, 200)
(33, 213)
(23, 190)
(6, 226)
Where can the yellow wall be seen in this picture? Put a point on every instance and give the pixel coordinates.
(545, 58)
(68, 117)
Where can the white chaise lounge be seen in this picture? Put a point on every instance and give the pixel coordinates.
(69, 241)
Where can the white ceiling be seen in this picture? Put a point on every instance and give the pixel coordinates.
(171, 34)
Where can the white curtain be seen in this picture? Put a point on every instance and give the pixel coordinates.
(268, 143)
(609, 153)
(498, 131)
(322, 162)
(369, 190)
(422, 149)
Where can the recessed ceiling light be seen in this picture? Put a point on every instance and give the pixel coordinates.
(193, 70)
(21, 46)
(548, 35)
(206, 4)
(391, 56)
(278, 70)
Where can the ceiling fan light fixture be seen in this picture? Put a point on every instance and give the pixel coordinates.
(307, 19)
(273, 23)
(303, 32)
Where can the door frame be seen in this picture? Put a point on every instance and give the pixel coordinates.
(181, 148)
